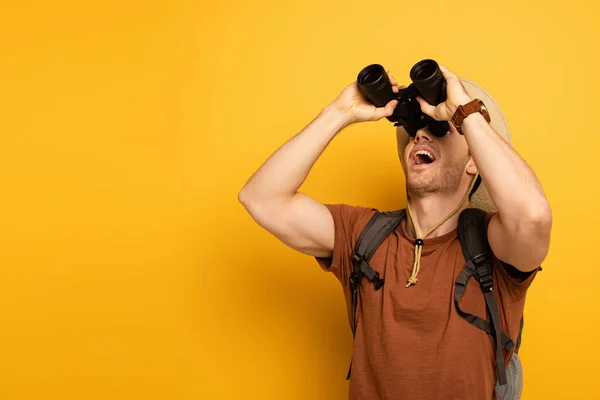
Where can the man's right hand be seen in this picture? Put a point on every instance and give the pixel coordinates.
(356, 107)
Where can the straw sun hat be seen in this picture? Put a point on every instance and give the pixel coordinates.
(481, 198)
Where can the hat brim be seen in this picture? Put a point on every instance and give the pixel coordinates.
(481, 198)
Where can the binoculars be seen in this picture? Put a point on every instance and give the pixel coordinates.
(427, 82)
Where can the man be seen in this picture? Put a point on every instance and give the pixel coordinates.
(410, 341)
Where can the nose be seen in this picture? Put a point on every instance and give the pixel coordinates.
(422, 134)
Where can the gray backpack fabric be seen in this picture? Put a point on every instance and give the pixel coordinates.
(473, 238)
(514, 380)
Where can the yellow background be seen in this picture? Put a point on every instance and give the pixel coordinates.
(128, 268)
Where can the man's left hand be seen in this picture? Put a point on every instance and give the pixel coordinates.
(456, 95)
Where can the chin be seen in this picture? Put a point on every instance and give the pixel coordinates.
(422, 177)
(420, 186)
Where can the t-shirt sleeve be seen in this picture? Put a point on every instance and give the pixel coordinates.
(348, 221)
(513, 282)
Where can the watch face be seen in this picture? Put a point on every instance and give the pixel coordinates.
(484, 111)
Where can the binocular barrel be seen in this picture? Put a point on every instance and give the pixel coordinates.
(375, 84)
(426, 76)
(429, 81)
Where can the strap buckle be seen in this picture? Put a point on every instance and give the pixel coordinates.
(483, 270)
(355, 279)
(357, 258)
(484, 273)
(377, 281)
(486, 283)
(360, 272)
(480, 259)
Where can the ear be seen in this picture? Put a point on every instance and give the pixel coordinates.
(471, 167)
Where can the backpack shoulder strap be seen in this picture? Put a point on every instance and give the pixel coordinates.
(472, 234)
(373, 234)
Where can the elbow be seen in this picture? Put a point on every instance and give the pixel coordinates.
(534, 227)
(248, 194)
(529, 223)
(535, 232)
(243, 197)
(539, 216)
(254, 204)
(249, 203)
(524, 235)
(252, 196)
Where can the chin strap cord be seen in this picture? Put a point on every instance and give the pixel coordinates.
(419, 241)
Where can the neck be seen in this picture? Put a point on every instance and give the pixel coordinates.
(431, 209)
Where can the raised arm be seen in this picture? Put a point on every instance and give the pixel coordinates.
(271, 194)
(519, 233)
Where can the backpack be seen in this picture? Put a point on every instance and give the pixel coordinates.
(475, 247)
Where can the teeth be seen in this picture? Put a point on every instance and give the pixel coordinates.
(425, 153)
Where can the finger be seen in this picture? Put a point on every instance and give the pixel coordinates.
(439, 113)
(386, 111)
(393, 81)
(425, 106)
(448, 75)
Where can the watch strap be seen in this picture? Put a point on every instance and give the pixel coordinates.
(463, 111)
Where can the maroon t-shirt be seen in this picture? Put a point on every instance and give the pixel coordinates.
(411, 343)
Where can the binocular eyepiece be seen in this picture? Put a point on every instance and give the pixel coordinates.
(427, 82)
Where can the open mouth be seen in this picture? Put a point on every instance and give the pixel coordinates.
(423, 157)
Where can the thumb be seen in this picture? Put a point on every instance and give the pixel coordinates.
(386, 111)
(425, 106)
(436, 112)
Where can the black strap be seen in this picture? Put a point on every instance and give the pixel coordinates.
(461, 285)
(518, 345)
(377, 229)
(475, 247)
(374, 233)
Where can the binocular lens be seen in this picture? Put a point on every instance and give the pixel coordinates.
(429, 80)
(424, 70)
(371, 75)
(375, 84)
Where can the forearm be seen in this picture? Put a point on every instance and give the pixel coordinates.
(511, 183)
(282, 174)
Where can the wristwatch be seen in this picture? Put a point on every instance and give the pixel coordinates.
(464, 111)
